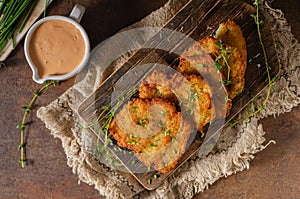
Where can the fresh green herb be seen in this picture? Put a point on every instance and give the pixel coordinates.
(218, 66)
(167, 132)
(118, 149)
(27, 16)
(174, 139)
(227, 99)
(200, 90)
(203, 117)
(155, 176)
(222, 59)
(202, 135)
(149, 181)
(161, 124)
(227, 82)
(105, 118)
(13, 13)
(233, 123)
(22, 126)
(109, 140)
(133, 108)
(107, 114)
(271, 81)
(45, 7)
(200, 65)
(131, 142)
(142, 122)
(105, 108)
(194, 95)
(259, 22)
(152, 145)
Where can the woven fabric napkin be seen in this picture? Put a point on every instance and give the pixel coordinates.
(239, 143)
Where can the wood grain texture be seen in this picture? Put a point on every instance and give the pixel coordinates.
(196, 20)
(274, 173)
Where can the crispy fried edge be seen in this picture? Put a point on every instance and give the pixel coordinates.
(122, 138)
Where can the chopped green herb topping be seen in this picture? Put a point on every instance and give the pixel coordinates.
(132, 142)
(142, 121)
(133, 108)
(161, 124)
(200, 65)
(167, 132)
(152, 145)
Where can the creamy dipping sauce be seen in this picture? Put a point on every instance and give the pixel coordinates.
(56, 47)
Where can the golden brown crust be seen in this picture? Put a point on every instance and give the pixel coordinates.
(231, 34)
(198, 58)
(157, 85)
(201, 93)
(190, 89)
(232, 72)
(166, 159)
(145, 125)
(150, 128)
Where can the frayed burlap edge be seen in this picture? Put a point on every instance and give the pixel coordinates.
(196, 174)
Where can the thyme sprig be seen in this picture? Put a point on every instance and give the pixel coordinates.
(105, 117)
(222, 59)
(271, 81)
(22, 126)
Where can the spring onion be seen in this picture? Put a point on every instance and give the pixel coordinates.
(13, 16)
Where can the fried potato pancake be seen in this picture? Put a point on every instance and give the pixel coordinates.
(201, 92)
(228, 60)
(157, 85)
(195, 90)
(197, 59)
(166, 159)
(149, 128)
(231, 34)
(145, 125)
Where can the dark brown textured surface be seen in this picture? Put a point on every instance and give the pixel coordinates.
(274, 173)
(193, 20)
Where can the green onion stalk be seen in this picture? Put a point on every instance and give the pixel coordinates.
(13, 17)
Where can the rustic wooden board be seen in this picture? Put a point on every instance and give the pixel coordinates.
(36, 13)
(197, 19)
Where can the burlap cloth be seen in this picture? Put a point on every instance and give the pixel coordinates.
(237, 144)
